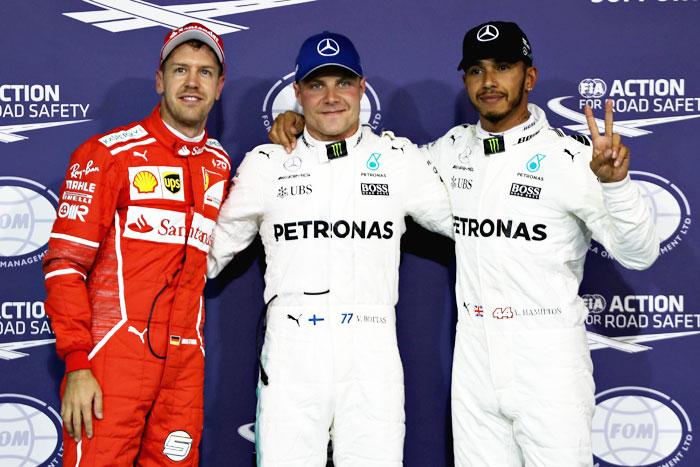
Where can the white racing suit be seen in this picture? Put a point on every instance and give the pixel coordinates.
(331, 218)
(525, 205)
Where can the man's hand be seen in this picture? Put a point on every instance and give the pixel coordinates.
(285, 129)
(81, 396)
(610, 157)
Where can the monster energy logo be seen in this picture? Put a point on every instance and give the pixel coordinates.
(337, 149)
(494, 145)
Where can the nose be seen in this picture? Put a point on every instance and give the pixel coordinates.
(331, 95)
(192, 79)
(489, 77)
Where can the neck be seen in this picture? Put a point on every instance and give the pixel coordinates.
(187, 130)
(317, 135)
(510, 121)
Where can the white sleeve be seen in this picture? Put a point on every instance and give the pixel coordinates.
(427, 201)
(240, 215)
(618, 218)
(431, 153)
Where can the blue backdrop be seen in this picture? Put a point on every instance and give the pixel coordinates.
(73, 68)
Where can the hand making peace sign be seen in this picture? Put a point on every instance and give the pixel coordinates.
(610, 157)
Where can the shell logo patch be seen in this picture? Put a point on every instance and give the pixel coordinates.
(145, 182)
(156, 182)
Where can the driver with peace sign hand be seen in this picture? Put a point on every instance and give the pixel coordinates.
(610, 160)
(526, 200)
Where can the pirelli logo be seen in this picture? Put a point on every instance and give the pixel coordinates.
(525, 191)
(380, 189)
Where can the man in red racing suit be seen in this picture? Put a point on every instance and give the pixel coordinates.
(126, 267)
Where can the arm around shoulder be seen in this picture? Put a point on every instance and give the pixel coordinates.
(242, 211)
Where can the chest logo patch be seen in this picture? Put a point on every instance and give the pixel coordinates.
(156, 182)
(525, 191)
(172, 181)
(145, 182)
(534, 164)
(373, 161)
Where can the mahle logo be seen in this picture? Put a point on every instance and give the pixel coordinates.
(280, 98)
(639, 426)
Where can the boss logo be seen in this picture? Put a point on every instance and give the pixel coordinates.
(525, 191)
(381, 189)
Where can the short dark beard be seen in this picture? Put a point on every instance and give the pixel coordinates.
(494, 117)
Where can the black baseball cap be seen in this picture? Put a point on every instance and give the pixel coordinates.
(498, 40)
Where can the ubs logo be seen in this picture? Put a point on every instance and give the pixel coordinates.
(461, 183)
(294, 190)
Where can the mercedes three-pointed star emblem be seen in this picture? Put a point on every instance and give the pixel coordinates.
(487, 33)
(328, 47)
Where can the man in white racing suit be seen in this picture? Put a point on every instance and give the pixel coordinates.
(331, 215)
(526, 202)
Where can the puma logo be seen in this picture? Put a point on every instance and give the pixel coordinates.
(140, 154)
(571, 154)
(295, 319)
(135, 331)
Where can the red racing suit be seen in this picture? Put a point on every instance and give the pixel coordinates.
(125, 270)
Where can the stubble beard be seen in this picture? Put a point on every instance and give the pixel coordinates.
(495, 117)
(182, 116)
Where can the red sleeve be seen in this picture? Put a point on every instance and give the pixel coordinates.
(86, 208)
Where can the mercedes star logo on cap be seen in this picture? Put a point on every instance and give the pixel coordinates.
(328, 47)
(487, 33)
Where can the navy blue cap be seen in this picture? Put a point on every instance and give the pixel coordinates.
(326, 49)
(498, 40)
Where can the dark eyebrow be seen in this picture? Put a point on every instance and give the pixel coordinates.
(188, 66)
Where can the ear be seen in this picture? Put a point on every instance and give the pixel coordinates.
(297, 92)
(220, 86)
(530, 78)
(160, 87)
(363, 85)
